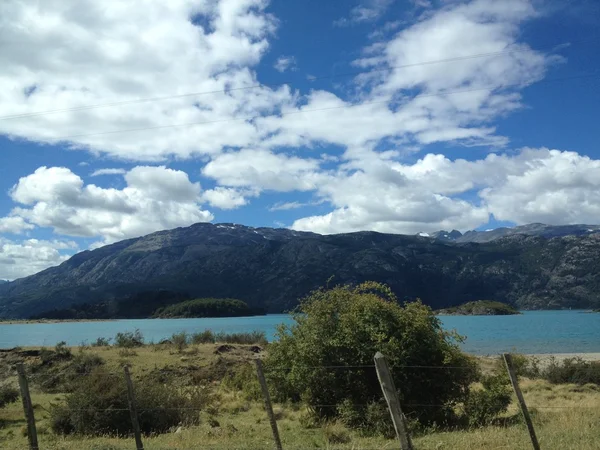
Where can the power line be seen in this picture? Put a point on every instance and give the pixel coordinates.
(345, 106)
(271, 85)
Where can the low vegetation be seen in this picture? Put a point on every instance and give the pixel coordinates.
(98, 406)
(207, 307)
(201, 391)
(8, 394)
(480, 308)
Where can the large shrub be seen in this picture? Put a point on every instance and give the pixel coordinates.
(8, 394)
(129, 339)
(572, 370)
(98, 406)
(59, 371)
(336, 331)
(482, 406)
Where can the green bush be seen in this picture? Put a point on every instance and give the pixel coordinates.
(253, 337)
(98, 406)
(483, 406)
(203, 337)
(370, 419)
(129, 339)
(53, 377)
(244, 379)
(101, 342)
(572, 370)
(8, 395)
(346, 326)
(62, 351)
(180, 340)
(524, 366)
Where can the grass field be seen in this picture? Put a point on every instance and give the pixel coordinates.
(565, 416)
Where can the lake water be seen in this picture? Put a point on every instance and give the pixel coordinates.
(531, 332)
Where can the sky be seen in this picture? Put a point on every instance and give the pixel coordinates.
(118, 119)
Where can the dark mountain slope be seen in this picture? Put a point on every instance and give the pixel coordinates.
(272, 268)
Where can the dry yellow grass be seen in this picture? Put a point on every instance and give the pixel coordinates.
(565, 417)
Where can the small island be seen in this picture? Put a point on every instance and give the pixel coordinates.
(479, 308)
(207, 307)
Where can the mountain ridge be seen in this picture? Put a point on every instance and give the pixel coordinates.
(272, 268)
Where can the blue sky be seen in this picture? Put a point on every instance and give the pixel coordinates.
(393, 116)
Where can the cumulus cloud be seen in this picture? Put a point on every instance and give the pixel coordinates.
(66, 56)
(534, 185)
(155, 198)
(285, 63)
(445, 78)
(550, 186)
(109, 171)
(13, 224)
(226, 198)
(262, 169)
(19, 259)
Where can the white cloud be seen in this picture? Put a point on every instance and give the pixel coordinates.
(261, 169)
(99, 172)
(285, 63)
(367, 11)
(68, 56)
(286, 206)
(19, 259)
(226, 198)
(155, 198)
(535, 185)
(550, 187)
(13, 224)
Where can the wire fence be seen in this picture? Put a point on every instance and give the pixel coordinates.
(383, 371)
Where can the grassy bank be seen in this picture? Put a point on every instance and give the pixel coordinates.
(566, 416)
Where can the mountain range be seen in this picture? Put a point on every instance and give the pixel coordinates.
(531, 267)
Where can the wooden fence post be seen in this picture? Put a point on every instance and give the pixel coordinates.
(27, 408)
(515, 384)
(133, 411)
(268, 405)
(391, 397)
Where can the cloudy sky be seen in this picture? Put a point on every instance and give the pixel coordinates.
(118, 119)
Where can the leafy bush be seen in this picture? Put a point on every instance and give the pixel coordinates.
(336, 433)
(346, 326)
(62, 351)
(101, 342)
(370, 419)
(8, 394)
(524, 366)
(253, 337)
(180, 340)
(203, 337)
(484, 405)
(53, 378)
(244, 379)
(572, 370)
(129, 339)
(98, 406)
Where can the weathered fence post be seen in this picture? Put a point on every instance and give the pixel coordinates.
(133, 411)
(268, 405)
(27, 408)
(515, 384)
(391, 397)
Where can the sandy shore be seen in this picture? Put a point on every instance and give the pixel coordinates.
(545, 357)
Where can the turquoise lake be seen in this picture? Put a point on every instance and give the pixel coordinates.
(531, 332)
